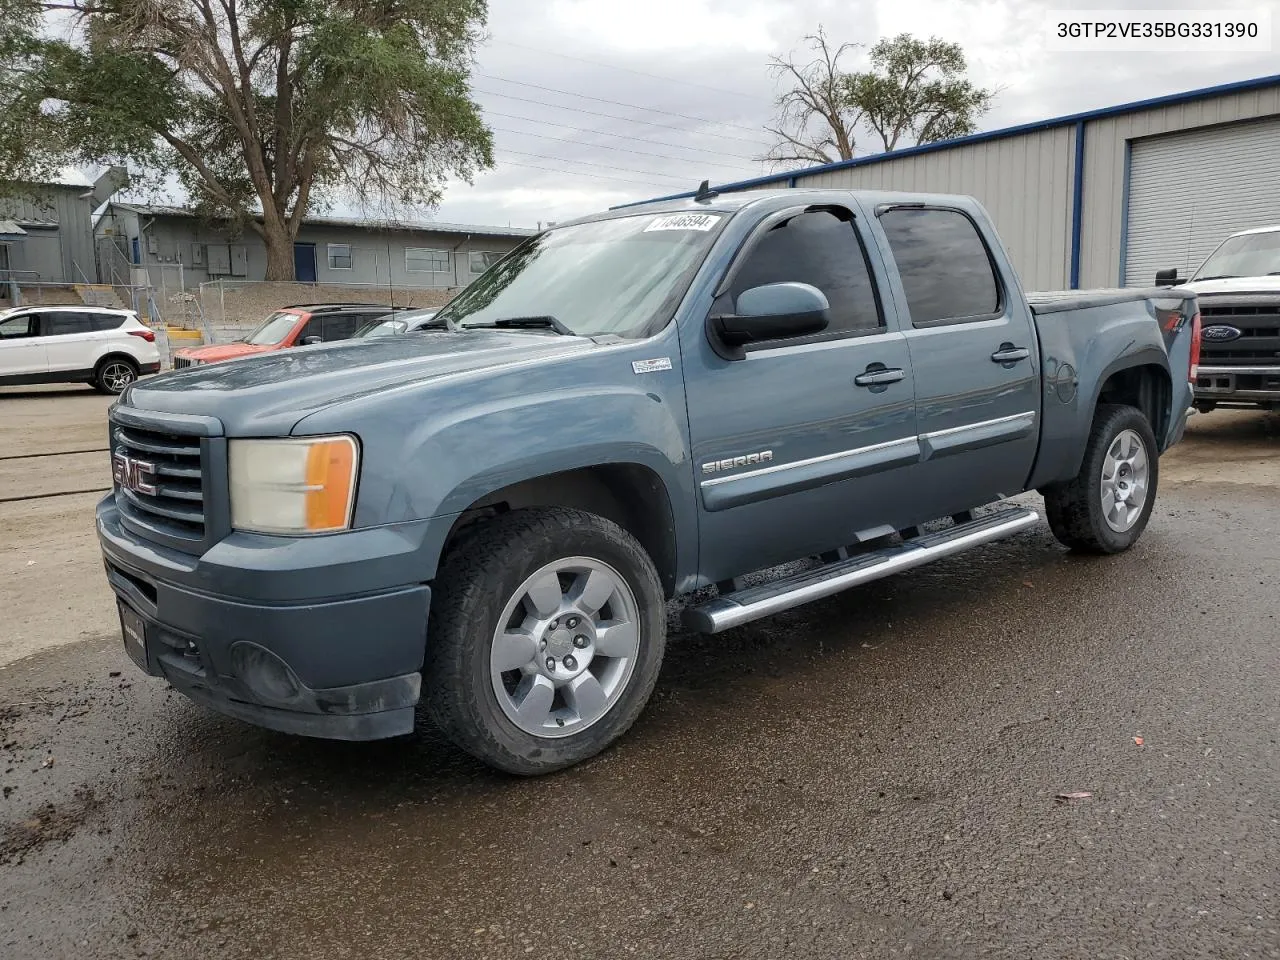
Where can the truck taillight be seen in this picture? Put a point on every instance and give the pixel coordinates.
(1192, 367)
(150, 336)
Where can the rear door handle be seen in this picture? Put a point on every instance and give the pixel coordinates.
(1008, 353)
(879, 377)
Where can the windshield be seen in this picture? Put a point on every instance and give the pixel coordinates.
(1250, 255)
(274, 329)
(381, 328)
(622, 276)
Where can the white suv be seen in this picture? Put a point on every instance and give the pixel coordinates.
(107, 348)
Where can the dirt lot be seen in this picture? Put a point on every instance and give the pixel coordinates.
(875, 775)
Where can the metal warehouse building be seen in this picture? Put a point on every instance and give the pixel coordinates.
(1102, 198)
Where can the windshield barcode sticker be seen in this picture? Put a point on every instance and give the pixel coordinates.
(684, 221)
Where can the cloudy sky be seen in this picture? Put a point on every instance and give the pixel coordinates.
(597, 102)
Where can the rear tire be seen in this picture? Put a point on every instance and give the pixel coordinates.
(545, 639)
(1105, 508)
(114, 374)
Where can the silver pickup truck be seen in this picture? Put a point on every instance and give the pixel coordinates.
(631, 407)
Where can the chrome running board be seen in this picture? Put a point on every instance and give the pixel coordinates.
(742, 606)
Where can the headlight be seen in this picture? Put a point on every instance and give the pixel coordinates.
(298, 485)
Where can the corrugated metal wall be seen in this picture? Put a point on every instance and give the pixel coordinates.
(1104, 168)
(1026, 181)
(62, 251)
(1188, 191)
(1023, 181)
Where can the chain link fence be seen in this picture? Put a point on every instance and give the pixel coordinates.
(230, 307)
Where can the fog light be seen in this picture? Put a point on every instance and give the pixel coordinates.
(266, 675)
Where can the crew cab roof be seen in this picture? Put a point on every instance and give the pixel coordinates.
(771, 200)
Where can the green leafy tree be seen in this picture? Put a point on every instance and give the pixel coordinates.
(261, 109)
(915, 92)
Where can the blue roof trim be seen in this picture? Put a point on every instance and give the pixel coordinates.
(1188, 96)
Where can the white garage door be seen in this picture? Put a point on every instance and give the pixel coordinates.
(1190, 191)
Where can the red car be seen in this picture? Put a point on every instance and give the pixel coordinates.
(293, 326)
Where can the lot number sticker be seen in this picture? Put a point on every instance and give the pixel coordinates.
(684, 221)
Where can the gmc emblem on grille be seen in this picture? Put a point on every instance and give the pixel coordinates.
(1220, 333)
(135, 475)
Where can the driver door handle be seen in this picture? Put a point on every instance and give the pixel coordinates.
(879, 377)
(1008, 353)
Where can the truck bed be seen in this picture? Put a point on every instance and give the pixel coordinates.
(1056, 301)
(1150, 325)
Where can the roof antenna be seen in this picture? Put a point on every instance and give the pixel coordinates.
(705, 194)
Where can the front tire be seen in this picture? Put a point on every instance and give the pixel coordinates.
(545, 639)
(1105, 508)
(114, 374)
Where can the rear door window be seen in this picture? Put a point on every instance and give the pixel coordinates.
(946, 269)
(63, 322)
(340, 326)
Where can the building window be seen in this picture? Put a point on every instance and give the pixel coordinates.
(339, 256)
(424, 260)
(482, 260)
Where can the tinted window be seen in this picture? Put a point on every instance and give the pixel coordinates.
(340, 326)
(945, 270)
(820, 249)
(59, 322)
(105, 321)
(11, 328)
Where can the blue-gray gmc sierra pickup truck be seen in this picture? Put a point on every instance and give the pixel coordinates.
(627, 408)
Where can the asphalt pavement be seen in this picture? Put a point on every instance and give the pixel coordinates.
(876, 775)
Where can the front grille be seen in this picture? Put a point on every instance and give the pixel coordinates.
(180, 362)
(1259, 342)
(171, 464)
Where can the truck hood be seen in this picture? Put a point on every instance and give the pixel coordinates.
(266, 395)
(1236, 285)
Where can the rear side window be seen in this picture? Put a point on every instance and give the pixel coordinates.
(823, 250)
(105, 321)
(945, 268)
(60, 322)
(340, 326)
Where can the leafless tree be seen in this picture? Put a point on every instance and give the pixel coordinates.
(815, 121)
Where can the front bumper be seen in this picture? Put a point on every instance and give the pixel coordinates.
(1238, 384)
(340, 660)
